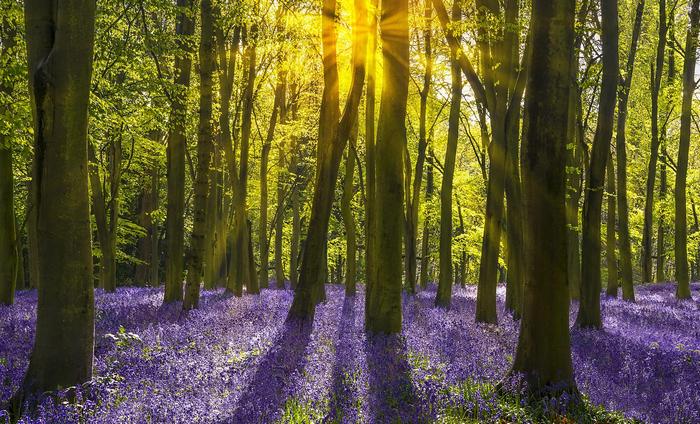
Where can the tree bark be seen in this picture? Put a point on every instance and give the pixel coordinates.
(413, 192)
(349, 219)
(177, 144)
(610, 256)
(425, 240)
(240, 262)
(621, 152)
(333, 136)
(384, 295)
(681, 226)
(60, 39)
(589, 307)
(205, 148)
(543, 354)
(443, 296)
(8, 242)
(657, 72)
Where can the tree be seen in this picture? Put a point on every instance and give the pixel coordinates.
(334, 131)
(589, 309)
(543, 354)
(621, 157)
(175, 224)
(240, 271)
(610, 257)
(205, 147)
(9, 259)
(8, 242)
(60, 39)
(348, 218)
(657, 73)
(681, 226)
(444, 291)
(412, 191)
(383, 313)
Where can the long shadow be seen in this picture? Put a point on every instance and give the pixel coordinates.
(392, 397)
(343, 393)
(269, 388)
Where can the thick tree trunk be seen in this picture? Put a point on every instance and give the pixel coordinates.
(177, 144)
(60, 40)
(543, 354)
(657, 73)
(212, 257)
(681, 226)
(205, 148)
(610, 256)
(444, 292)
(589, 309)
(384, 295)
(621, 153)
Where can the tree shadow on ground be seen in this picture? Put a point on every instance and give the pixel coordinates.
(392, 396)
(344, 375)
(269, 388)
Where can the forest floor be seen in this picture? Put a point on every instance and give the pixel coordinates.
(235, 361)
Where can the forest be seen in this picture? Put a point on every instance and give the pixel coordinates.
(356, 211)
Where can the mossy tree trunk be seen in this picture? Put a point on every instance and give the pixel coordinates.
(384, 295)
(348, 217)
(543, 354)
(60, 39)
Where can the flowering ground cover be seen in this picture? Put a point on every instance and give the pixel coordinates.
(235, 361)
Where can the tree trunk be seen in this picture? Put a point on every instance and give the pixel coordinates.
(370, 150)
(413, 192)
(205, 148)
(177, 144)
(661, 229)
(239, 271)
(543, 354)
(657, 72)
(212, 258)
(267, 145)
(589, 309)
(610, 257)
(621, 151)
(348, 218)
(8, 242)
(681, 226)
(425, 240)
(279, 216)
(60, 38)
(333, 136)
(384, 296)
(444, 292)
